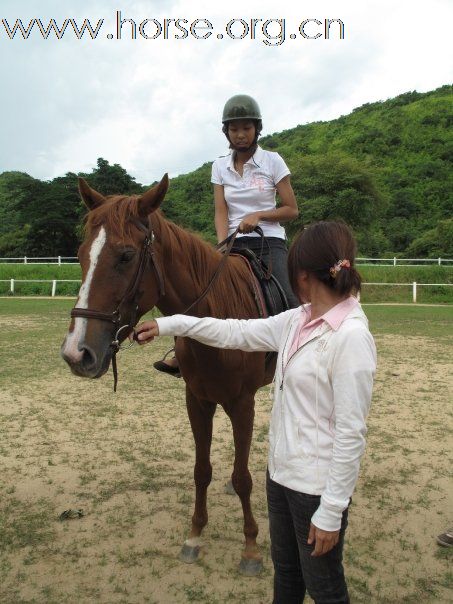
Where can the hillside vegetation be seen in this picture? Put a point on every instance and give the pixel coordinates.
(385, 169)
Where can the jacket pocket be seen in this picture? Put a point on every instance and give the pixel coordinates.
(298, 444)
(306, 435)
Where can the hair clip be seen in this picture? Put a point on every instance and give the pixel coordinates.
(336, 268)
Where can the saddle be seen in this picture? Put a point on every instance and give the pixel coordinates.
(269, 295)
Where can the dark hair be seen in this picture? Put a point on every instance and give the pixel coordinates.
(258, 127)
(317, 249)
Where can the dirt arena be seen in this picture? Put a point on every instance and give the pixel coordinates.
(126, 460)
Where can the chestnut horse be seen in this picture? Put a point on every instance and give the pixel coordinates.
(173, 275)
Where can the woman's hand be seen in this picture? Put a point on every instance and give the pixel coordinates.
(145, 332)
(324, 540)
(249, 223)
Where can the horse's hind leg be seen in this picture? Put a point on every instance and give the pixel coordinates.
(201, 414)
(242, 416)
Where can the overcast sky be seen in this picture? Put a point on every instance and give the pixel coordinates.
(154, 105)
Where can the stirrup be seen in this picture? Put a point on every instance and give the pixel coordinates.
(165, 368)
(167, 353)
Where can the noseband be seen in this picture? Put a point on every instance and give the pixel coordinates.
(131, 295)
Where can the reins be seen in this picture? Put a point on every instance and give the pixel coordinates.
(229, 243)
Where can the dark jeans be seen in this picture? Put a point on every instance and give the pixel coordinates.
(279, 254)
(296, 571)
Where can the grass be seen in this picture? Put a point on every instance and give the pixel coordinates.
(431, 321)
(36, 308)
(407, 274)
(127, 461)
(22, 526)
(411, 320)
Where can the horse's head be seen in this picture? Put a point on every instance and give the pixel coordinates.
(115, 258)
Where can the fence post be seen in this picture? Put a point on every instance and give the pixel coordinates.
(394, 261)
(25, 259)
(59, 260)
(414, 291)
(12, 286)
(54, 287)
(439, 261)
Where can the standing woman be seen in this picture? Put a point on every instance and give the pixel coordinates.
(323, 383)
(245, 185)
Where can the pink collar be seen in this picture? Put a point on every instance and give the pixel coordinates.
(334, 316)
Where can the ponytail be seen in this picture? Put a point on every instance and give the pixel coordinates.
(326, 249)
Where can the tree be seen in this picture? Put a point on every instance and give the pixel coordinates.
(336, 186)
(434, 243)
(54, 216)
(16, 190)
(112, 180)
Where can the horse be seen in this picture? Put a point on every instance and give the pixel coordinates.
(129, 245)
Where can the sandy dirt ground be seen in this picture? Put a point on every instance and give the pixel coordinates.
(126, 460)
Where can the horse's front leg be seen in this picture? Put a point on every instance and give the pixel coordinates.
(201, 415)
(242, 415)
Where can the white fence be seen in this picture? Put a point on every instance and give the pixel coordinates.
(404, 261)
(39, 260)
(54, 282)
(12, 283)
(415, 286)
(362, 261)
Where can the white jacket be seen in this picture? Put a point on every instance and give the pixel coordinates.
(321, 399)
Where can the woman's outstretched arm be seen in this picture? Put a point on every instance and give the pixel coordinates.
(251, 335)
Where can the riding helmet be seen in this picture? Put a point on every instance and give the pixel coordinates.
(242, 107)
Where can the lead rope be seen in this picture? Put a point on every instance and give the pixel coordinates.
(115, 370)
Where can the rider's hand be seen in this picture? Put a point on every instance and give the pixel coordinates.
(146, 331)
(249, 222)
(324, 540)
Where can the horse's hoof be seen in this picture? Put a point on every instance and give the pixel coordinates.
(229, 489)
(250, 567)
(189, 553)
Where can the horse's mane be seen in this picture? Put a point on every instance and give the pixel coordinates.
(230, 296)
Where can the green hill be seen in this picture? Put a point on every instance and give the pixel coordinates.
(385, 169)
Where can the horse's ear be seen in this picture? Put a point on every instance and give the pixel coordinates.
(151, 200)
(91, 198)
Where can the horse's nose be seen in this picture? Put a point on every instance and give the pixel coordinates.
(89, 358)
(83, 358)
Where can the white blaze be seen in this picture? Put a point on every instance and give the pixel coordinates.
(71, 346)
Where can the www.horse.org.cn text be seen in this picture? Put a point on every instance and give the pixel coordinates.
(270, 31)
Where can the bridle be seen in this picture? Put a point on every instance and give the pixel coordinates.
(132, 294)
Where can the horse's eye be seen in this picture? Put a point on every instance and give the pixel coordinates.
(127, 256)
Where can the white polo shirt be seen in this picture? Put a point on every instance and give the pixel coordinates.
(254, 191)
